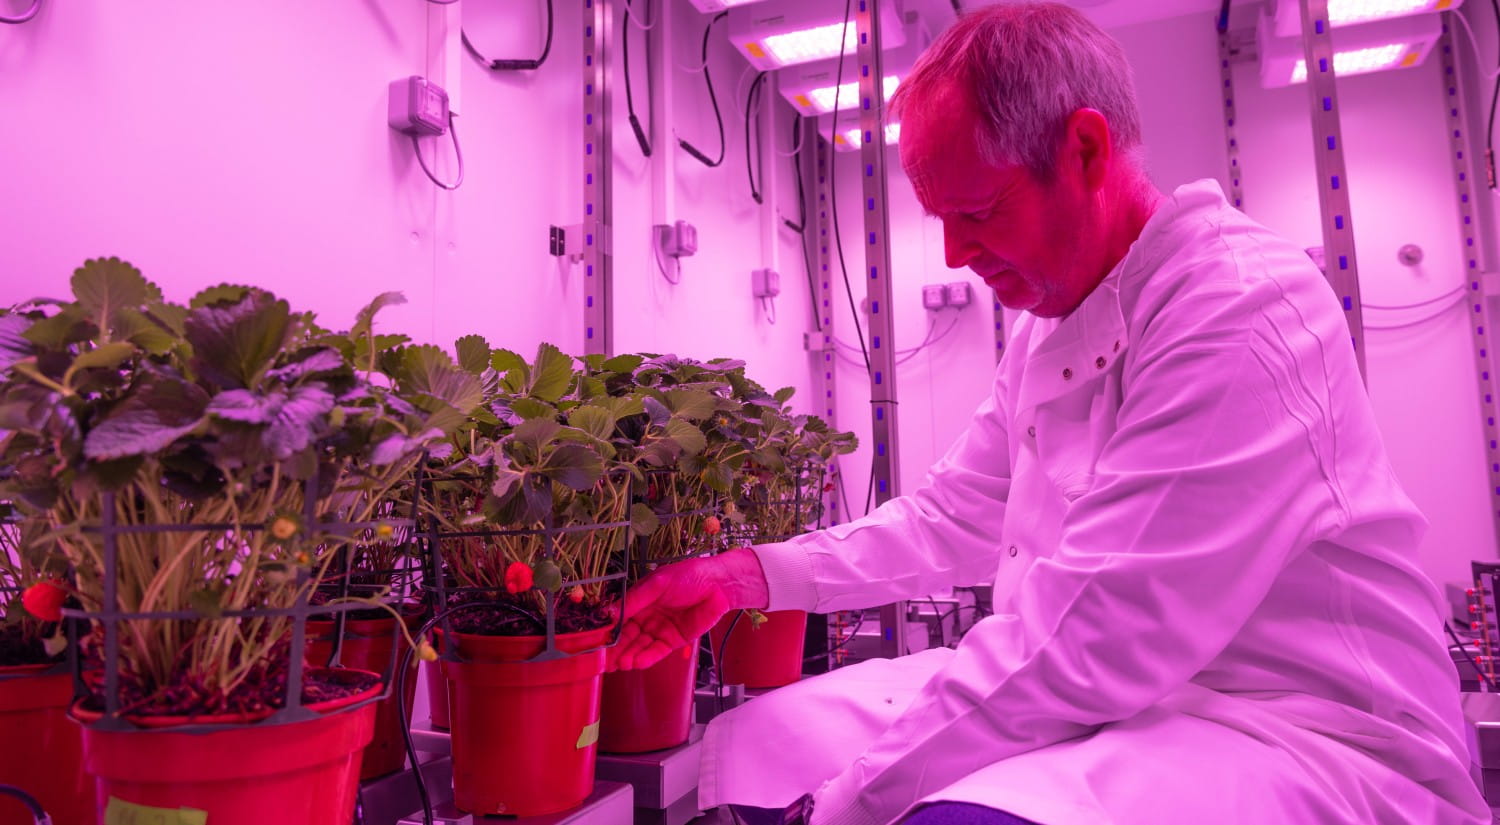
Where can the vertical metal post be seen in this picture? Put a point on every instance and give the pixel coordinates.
(877, 230)
(598, 257)
(1463, 171)
(1333, 183)
(824, 350)
(1231, 135)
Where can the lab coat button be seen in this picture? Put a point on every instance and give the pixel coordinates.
(1013, 551)
(1117, 346)
(1100, 362)
(1067, 374)
(1031, 431)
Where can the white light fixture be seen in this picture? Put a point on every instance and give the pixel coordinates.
(810, 87)
(1351, 12)
(772, 34)
(1392, 43)
(846, 136)
(715, 6)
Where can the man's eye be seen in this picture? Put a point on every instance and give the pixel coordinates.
(980, 217)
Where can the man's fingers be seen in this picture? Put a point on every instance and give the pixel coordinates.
(643, 595)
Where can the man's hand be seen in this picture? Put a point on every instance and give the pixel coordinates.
(680, 602)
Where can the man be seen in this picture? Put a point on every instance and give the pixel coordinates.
(1208, 606)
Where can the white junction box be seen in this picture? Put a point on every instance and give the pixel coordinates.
(765, 283)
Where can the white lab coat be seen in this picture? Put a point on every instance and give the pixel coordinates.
(1208, 603)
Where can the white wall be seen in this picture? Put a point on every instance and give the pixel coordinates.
(213, 142)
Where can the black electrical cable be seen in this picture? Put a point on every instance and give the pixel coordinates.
(37, 814)
(750, 171)
(635, 124)
(458, 150)
(507, 65)
(36, 6)
(1483, 677)
(719, 659)
(833, 194)
(712, 98)
(842, 643)
(1489, 140)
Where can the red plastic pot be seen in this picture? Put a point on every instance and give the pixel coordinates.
(528, 731)
(651, 709)
(43, 753)
(760, 657)
(368, 644)
(302, 773)
(437, 687)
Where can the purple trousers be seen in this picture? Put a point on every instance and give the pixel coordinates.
(937, 813)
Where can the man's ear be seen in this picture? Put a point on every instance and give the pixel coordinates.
(1087, 151)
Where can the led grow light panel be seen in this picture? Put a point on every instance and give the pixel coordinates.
(1392, 43)
(776, 33)
(1354, 12)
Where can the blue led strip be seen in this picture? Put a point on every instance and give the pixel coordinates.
(1469, 224)
(885, 468)
(1231, 134)
(1333, 179)
(825, 367)
(598, 206)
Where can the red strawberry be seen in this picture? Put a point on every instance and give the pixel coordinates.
(576, 594)
(44, 600)
(518, 577)
(711, 525)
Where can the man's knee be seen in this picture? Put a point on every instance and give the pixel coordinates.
(960, 813)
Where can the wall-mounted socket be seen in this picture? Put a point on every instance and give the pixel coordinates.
(417, 107)
(676, 240)
(957, 294)
(765, 283)
(933, 297)
(566, 241)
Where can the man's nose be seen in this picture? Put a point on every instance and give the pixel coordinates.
(959, 249)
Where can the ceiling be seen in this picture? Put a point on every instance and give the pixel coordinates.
(1116, 13)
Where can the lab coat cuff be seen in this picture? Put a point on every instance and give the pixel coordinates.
(789, 576)
(832, 807)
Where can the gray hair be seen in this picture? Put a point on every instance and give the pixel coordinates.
(1027, 67)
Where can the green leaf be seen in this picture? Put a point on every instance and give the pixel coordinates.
(473, 353)
(503, 360)
(207, 603)
(13, 343)
(529, 408)
(234, 342)
(58, 331)
(364, 320)
(156, 412)
(718, 477)
(689, 438)
(658, 411)
(537, 432)
(574, 466)
(784, 394)
(104, 286)
(623, 363)
(691, 404)
(643, 520)
(136, 327)
(103, 356)
(427, 369)
(551, 374)
(546, 575)
(221, 294)
(594, 420)
(173, 317)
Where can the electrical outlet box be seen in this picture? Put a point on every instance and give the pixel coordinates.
(676, 240)
(958, 294)
(766, 283)
(933, 297)
(566, 241)
(417, 107)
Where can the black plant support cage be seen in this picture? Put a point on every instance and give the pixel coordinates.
(110, 616)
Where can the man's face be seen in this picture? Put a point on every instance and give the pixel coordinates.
(1027, 241)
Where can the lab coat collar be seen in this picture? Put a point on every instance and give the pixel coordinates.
(1088, 342)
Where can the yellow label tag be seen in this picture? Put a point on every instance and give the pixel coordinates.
(755, 50)
(803, 101)
(1443, 5)
(120, 812)
(1410, 60)
(589, 736)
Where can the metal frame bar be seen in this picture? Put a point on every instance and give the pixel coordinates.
(1463, 171)
(823, 353)
(877, 228)
(1333, 179)
(598, 194)
(1231, 136)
